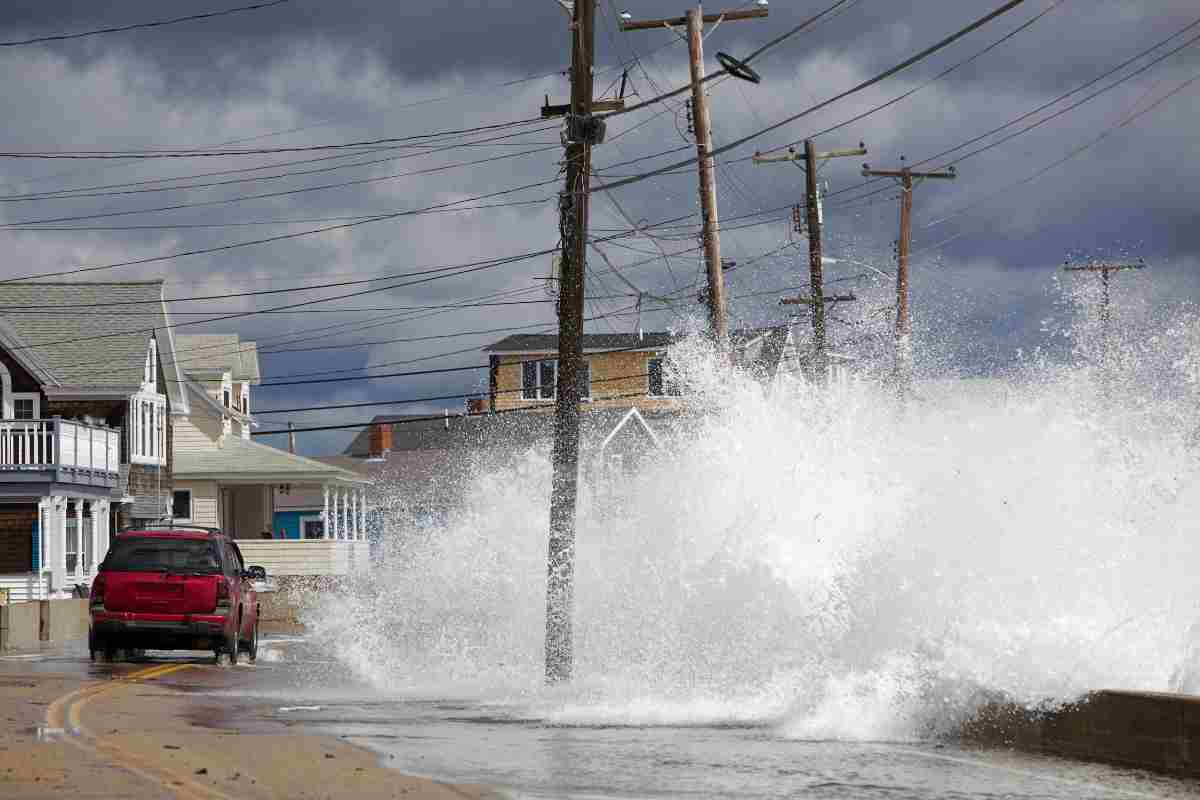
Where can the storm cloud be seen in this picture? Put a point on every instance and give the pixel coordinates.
(307, 73)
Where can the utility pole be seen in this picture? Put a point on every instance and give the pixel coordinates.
(1105, 270)
(816, 276)
(694, 21)
(582, 131)
(903, 374)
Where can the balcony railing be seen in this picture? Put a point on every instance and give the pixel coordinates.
(75, 451)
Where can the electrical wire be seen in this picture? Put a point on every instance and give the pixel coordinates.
(920, 56)
(213, 153)
(141, 25)
(1041, 108)
(277, 238)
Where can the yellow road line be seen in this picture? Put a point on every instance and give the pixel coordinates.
(66, 712)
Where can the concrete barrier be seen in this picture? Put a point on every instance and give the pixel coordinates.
(1159, 732)
(66, 620)
(281, 610)
(20, 626)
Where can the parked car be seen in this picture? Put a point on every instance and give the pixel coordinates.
(175, 588)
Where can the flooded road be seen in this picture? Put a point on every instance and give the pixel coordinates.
(503, 745)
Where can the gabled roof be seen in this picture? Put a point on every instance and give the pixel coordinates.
(238, 459)
(26, 356)
(65, 332)
(409, 432)
(200, 353)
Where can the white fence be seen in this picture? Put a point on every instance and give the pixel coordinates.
(41, 444)
(20, 588)
(306, 556)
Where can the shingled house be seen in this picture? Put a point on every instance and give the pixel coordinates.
(88, 398)
(225, 479)
(621, 370)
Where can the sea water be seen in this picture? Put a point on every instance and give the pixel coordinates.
(827, 564)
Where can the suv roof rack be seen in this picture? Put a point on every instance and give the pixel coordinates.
(166, 524)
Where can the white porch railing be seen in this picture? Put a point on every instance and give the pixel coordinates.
(32, 445)
(23, 587)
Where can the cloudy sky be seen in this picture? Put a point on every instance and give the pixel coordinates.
(308, 72)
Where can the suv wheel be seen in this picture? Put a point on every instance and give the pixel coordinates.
(251, 646)
(227, 655)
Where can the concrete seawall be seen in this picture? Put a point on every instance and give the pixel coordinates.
(25, 626)
(1159, 732)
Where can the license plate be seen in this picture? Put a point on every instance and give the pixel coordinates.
(150, 590)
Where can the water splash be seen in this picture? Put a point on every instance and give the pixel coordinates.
(826, 564)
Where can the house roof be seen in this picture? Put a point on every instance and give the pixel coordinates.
(418, 472)
(73, 346)
(548, 343)
(647, 340)
(409, 432)
(218, 352)
(238, 459)
(458, 430)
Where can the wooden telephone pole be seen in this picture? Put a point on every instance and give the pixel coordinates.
(1105, 312)
(816, 275)
(903, 374)
(694, 21)
(582, 132)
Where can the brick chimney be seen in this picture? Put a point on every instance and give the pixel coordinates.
(381, 440)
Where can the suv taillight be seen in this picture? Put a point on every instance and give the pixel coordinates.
(97, 595)
(222, 594)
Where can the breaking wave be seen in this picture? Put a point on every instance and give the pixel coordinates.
(828, 565)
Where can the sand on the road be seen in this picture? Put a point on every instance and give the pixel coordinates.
(146, 740)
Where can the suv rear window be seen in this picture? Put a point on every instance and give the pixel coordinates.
(158, 554)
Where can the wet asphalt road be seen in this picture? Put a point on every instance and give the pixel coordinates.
(504, 746)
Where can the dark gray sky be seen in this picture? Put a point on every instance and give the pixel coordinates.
(986, 251)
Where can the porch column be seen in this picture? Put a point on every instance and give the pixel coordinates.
(45, 515)
(99, 533)
(354, 514)
(56, 542)
(78, 539)
(362, 514)
(347, 516)
(325, 513)
(337, 517)
(341, 513)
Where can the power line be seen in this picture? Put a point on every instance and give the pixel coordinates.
(255, 223)
(1043, 107)
(923, 54)
(900, 98)
(278, 238)
(407, 420)
(432, 274)
(141, 25)
(420, 150)
(459, 396)
(686, 88)
(213, 153)
(1127, 120)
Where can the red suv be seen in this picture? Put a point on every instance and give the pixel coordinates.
(175, 588)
